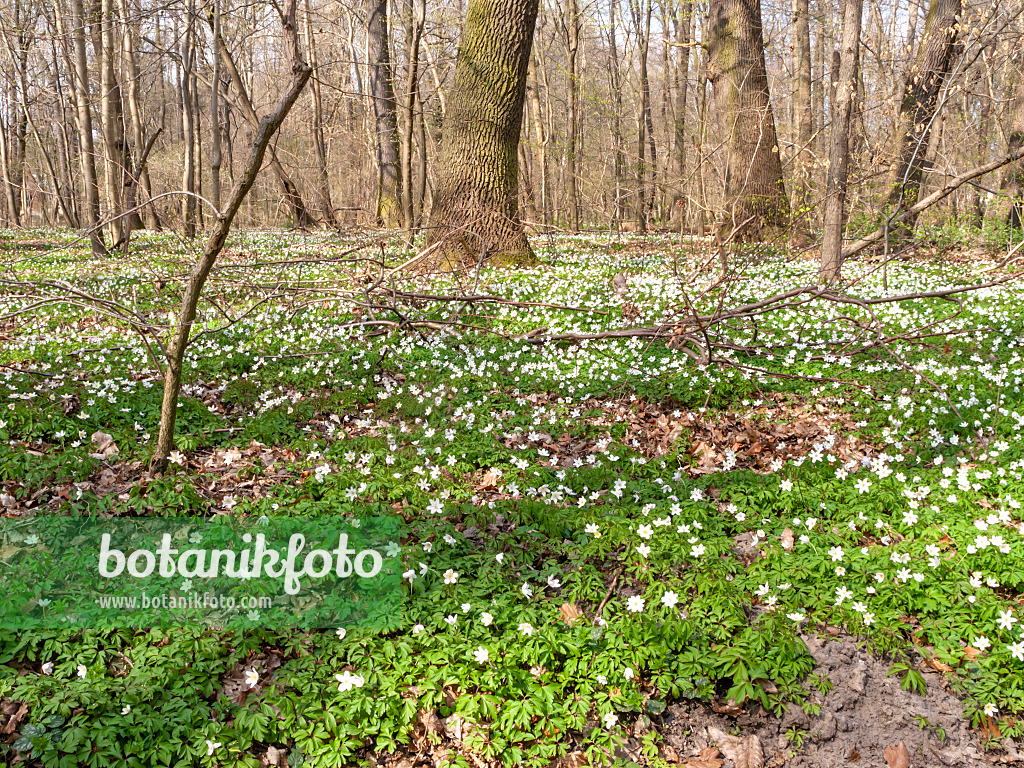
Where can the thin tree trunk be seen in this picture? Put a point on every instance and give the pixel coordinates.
(267, 127)
(85, 136)
(417, 16)
(571, 40)
(619, 161)
(803, 159)
(317, 126)
(541, 139)
(217, 155)
(112, 127)
(296, 206)
(1013, 177)
(188, 171)
(839, 151)
(683, 28)
(140, 185)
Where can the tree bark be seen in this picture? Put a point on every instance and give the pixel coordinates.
(417, 16)
(571, 42)
(140, 185)
(839, 151)
(382, 93)
(755, 195)
(112, 128)
(317, 125)
(541, 139)
(475, 210)
(87, 148)
(1013, 176)
(920, 100)
(619, 161)
(188, 122)
(803, 132)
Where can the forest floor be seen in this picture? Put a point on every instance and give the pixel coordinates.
(807, 553)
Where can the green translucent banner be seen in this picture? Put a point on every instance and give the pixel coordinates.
(71, 572)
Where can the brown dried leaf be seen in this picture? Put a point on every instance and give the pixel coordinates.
(787, 539)
(15, 716)
(897, 756)
(744, 751)
(937, 665)
(569, 613)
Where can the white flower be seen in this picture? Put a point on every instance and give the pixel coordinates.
(526, 628)
(252, 677)
(486, 619)
(669, 599)
(982, 643)
(482, 655)
(126, 709)
(47, 667)
(452, 619)
(1017, 650)
(786, 485)
(347, 681)
(593, 530)
(500, 556)
(697, 550)
(836, 553)
(341, 632)
(553, 582)
(1006, 619)
(991, 709)
(645, 531)
(610, 719)
(863, 485)
(635, 604)
(417, 629)
(450, 576)
(643, 550)
(212, 746)
(628, 673)
(526, 589)
(82, 670)
(797, 617)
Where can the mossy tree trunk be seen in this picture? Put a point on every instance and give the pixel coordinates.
(755, 195)
(920, 101)
(475, 204)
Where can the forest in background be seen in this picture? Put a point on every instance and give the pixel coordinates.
(623, 127)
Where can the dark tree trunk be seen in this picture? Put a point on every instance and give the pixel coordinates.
(755, 196)
(476, 200)
(920, 100)
(382, 92)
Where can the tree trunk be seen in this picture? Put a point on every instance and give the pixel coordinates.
(683, 24)
(839, 151)
(323, 185)
(920, 100)
(541, 139)
(141, 188)
(803, 159)
(571, 41)
(112, 127)
(85, 135)
(299, 212)
(1013, 176)
(475, 209)
(267, 127)
(417, 15)
(755, 196)
(382, 93)
(216, 154)
(188, 122)
(619, 162)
